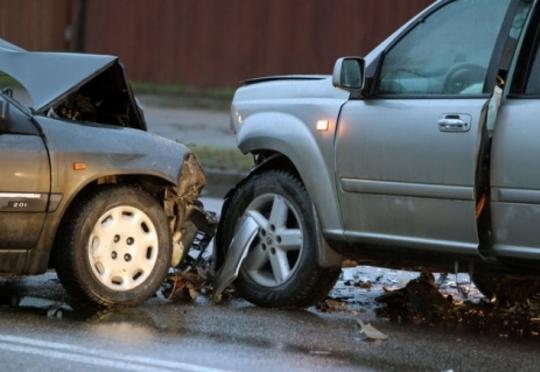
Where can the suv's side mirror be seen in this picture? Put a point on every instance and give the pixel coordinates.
(349, 74)
(4, 110)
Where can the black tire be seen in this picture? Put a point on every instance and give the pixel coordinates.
(309, 283)
(71, 252)
(505, 288)
(486, 283)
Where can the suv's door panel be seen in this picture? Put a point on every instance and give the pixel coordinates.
(407, 158)
(404, 179)
(515, 173)
(515, 179)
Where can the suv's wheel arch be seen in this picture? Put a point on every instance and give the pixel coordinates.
(273, 160)
(273, 132)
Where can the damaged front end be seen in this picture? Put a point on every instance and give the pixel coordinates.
(191, 226)
(192, 230)
(76, 87)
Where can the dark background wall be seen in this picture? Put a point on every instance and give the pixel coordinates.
(210, 43)
(35, 24)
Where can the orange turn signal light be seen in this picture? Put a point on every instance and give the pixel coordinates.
(79, 166)
(323, 125)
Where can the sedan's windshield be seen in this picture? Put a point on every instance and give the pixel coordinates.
(13, 91)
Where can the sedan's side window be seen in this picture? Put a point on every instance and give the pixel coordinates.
(448, 53)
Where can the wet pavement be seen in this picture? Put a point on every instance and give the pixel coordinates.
(40, 332)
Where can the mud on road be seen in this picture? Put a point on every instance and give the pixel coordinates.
(443, 301)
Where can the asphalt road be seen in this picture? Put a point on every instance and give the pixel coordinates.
(39, 332)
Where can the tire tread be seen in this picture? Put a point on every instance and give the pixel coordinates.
(318, 281)
(64, 252)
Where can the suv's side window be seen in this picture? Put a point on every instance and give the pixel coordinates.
(446, 54)
(533, 85)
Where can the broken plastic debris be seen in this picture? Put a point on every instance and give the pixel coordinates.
(184, 286)
(319, 352)
(370, 332)
(55, 313)
(330, 305)
(236, 255)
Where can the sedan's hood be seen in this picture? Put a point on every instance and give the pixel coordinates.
(51, 77)
(48, 77)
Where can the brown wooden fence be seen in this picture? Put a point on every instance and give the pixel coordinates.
(214, 42)
(35, 24)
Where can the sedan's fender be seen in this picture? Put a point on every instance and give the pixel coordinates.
(107, 150)
(81, 154)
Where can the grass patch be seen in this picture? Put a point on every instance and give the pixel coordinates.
(222, 159)
(186, 96)
(178, 89)
(7, 81)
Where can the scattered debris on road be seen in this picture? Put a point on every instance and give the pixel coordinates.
(441, 300)
(422, 302)
(329, 306)
(420, 296)
(394, 295)
(371, 333)
(185, 286)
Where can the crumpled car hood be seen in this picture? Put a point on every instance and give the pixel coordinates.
(50, 77)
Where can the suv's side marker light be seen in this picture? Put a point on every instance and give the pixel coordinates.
(79, 166)
(322, 125)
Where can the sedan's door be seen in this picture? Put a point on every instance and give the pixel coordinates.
(407, 158)
(24, 181)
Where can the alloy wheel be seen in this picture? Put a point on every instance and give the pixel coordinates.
(275, 254)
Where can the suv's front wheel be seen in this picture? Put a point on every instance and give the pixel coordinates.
(281, 268)
(115, 247)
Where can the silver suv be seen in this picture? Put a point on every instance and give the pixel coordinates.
(422, 155)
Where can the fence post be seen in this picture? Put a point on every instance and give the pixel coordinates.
(79, 31)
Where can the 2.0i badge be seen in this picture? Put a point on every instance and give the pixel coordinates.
(18, 205)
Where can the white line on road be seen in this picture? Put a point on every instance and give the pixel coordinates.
(109, 363)
(97, 357)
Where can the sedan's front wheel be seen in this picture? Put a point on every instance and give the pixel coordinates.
(115, 248)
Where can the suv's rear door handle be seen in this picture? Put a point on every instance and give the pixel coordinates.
(455, 123)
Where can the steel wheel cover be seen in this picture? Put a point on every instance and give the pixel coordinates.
(123, 248)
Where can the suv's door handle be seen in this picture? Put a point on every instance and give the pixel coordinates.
(455, 123)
